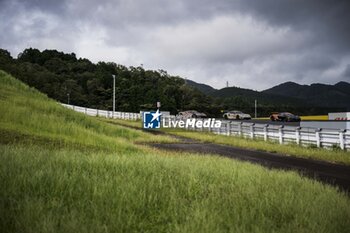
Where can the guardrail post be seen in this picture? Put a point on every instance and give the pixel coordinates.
(252, 130)
(96, 112)
(280, 131)
(297, 135)
(201, 128)
(318, 138)
(228, 128)
(341, 139)
(85, 111)
(265, 132)
(73, 107)
(240, 128)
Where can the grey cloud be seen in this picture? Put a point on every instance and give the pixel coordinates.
(52, 6)
(347, 72)
(252, 44)
(327, 19)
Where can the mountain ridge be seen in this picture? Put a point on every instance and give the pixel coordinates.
(315, 94)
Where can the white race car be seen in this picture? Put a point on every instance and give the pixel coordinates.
(191, 114)
(236, 115)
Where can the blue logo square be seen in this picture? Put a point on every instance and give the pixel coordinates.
(151, 120)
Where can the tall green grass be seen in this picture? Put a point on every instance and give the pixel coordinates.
(26, 113)
(61, 171)
(71, 191)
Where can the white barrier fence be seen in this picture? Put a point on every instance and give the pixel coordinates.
(327, 138)
(104, 113)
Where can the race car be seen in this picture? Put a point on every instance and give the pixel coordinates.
(236, 115)
(284, 116)
(191, 114)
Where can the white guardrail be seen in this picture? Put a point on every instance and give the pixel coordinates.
(327, 138)
(104, 113)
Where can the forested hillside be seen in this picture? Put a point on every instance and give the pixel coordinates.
(64, 77)
(318, 94)
(60, 75)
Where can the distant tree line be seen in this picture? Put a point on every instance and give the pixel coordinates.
(60, 75)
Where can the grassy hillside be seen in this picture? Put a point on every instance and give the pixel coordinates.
(61, 171)
(28, 116)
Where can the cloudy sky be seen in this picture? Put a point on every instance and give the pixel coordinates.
(250, 43)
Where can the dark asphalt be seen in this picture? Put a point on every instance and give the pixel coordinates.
(334, 174)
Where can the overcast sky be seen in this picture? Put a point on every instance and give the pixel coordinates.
(250, 43)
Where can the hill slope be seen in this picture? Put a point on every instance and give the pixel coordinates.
(204, 88)
(264, 98)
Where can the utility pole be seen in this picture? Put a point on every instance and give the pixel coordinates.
(113, 94)
(256, 105)
(226, 83)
